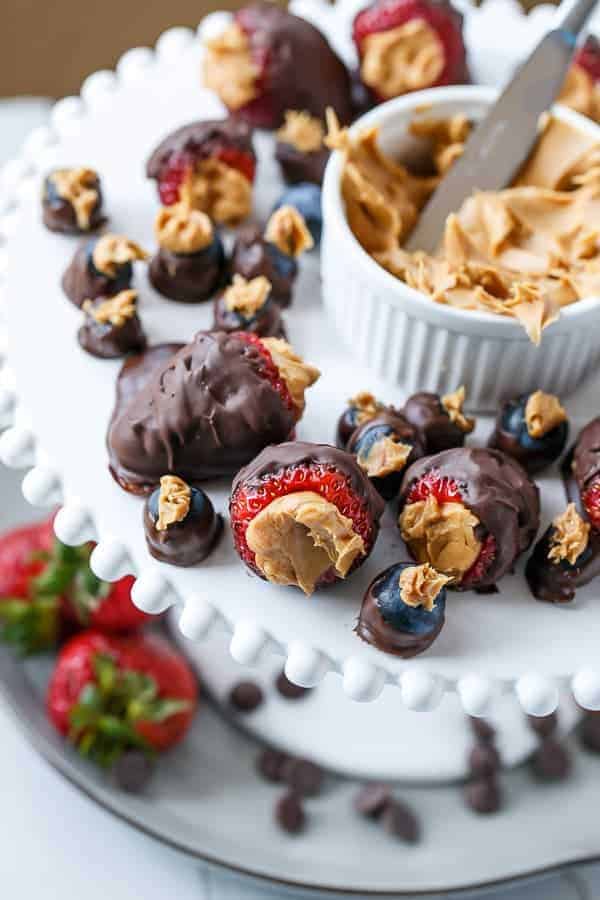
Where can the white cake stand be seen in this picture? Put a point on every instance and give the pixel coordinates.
(494, 650)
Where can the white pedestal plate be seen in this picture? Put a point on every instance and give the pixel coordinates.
(498, 655)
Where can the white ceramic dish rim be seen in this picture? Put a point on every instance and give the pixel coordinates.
(400, 294)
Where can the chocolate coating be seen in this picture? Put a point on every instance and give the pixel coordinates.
(438, 432)
(585, 456)
(189, 277)
(58, 214)
(205, 412)
(375, 626)
(253, 255)
(301, 453)
(201, 140)
(297, 166)
(498, 492)
(534, 455)
(82, 280)
(557, 582)
(184, 543)
(109, 341)
(392, 423)
(301, 71)
(267, 322)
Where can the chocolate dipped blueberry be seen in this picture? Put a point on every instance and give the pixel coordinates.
(306, 198)
(470, 513)
(72, 201)
(207, 410)
(101, 267)
(273, 253)
(566, 557)
(409, 45)
(180, 523)
(248, 306)
(304, 515)
(533, 429)
(440, 420)
(403, 610)
(268, 61)
(300, 149)
(361, 408)
(211, 164)
(384, 447)
(111, 327)
(189, 265)
(581, 472)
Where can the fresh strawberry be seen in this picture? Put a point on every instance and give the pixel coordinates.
(588, 57)
(446, 490)
(92, 603)
(445, 21)
(591, 501)
(269, 370)
(110, 694)
(327, 481)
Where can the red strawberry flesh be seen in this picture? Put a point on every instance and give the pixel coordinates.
(268, 368)
(591, 502)
(181, 165)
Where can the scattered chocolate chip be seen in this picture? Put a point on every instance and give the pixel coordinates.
(400, 821)
(372, 799)
(551, 760)
(288, 689)
(303, 776)
(289, 813)
(483, 795)
(590, 733)
(543, 726)
(246, 696)
(132, 771)
(482, 729)
(484, 760)
(271, 764)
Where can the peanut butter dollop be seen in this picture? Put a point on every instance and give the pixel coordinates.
(174, 501)
(420, 585)
(218, 190)
(115, 311)
(298, 537)
(570, 537)
(79, 187)
(442, 535)
(384, 457)
(180, 229)
(402, 59)
(297, 374)
(366, 405)
(287, 229)
(302, 131)
(453, 404)
(543, 412)
(247, 297)
(228, 69)
(113, 250)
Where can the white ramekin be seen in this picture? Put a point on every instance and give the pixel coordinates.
(417, 344)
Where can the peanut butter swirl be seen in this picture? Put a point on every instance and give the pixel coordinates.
(384, 457)
(543, 413)
(181, 229)
(453, 404)
(288, 231)
(407, 58)
(302, 131)
(114, 250)
(524, 252)
(174, 501)
(420, 585)
(219, 190)
(247, 297)
(570, 536)
(228, 68)
(80, 187)
(115, 311)
(441, 534)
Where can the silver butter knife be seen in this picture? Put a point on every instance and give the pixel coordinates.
(501, 143)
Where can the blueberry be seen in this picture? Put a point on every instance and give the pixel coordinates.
(124, 271)
(306, 197)
(197, 510)
(414, 620)
(512, 437)
(388, 485)
(285, 265)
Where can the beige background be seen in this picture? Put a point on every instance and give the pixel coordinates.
(47, 47)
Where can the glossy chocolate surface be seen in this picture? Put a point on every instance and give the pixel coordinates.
(58, 214)
(534, 455)
(557, 582)
(108, 341)
(267, 322)
(391, 423)
(204, 412)
(82, 280)
(189, 277)
(201, 140)
(188, 542)
(253, 256)
(297, 166)
(438, 432)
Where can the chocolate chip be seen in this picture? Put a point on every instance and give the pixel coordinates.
(246, 696)
(400, 821)
(483, 795)
(288, 689)
(271, 764)
(482, 729)
(372, 799)
(132, 771)
(590, 733)
(544, 726)
(289, 813)
(303, 776)
(484, 760)
(551, 760)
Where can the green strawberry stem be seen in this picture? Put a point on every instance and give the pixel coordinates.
(30, 626)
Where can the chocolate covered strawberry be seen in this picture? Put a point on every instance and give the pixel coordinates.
(111, 695)
(409, 45)
(268, 61)
(304, 515)
(582, 472)
(210, 165)
(469, 513)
